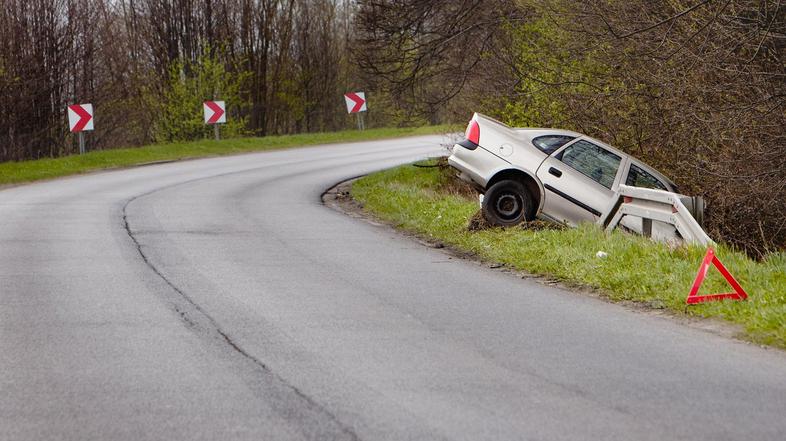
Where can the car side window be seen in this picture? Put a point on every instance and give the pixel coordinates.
(550, 143)
(640, 178)
(593, 161)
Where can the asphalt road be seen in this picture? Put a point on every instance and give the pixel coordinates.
(218, 299)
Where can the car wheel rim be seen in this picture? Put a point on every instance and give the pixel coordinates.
(508, 206)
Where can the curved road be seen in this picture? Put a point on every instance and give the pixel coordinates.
(218, 299)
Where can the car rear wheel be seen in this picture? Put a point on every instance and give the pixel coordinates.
(506, 203)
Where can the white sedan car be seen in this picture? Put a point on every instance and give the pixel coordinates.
(552, 174)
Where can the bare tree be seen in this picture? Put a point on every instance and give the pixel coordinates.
(427, 51)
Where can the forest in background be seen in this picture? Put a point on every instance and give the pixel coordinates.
(282, 66)
(694, 87)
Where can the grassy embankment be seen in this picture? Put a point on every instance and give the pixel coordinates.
(27, 171)
(636, 270)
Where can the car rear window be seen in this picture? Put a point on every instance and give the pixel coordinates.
(640, 178)
(550, 143)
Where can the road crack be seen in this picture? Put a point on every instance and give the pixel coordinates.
(196, 318)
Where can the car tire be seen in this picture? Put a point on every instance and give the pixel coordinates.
(507, 203)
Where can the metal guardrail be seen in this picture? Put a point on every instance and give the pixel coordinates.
(663, 214)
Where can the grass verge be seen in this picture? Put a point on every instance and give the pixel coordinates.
(419, 200)
(28, 171)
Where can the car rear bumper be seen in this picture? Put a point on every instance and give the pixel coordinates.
(465, 171)
(474, 166)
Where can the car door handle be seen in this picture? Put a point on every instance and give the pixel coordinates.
(555, 172)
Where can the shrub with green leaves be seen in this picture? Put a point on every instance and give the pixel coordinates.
(179, 108)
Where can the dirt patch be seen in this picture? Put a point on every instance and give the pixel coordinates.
(478, 222)
(340, 199)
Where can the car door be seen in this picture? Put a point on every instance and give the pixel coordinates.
(578, 180)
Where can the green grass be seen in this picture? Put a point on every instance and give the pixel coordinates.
(636, 269)
(27, 171)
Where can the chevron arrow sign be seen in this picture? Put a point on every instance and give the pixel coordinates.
(80, 117)
(215, 112)
(356, 102)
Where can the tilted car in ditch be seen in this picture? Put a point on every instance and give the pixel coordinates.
(552, 174)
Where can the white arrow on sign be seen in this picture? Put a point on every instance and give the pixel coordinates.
(215, 112)
(80, 117)
(356, 102)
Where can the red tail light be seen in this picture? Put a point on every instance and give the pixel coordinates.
(473, 132)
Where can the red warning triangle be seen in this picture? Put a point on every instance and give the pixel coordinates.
(711, 258)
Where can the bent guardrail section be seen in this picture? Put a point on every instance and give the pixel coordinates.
(662, 213)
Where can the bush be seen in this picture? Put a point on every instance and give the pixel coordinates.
(180, 107)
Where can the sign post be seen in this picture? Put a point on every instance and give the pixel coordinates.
(81, 136)
(361, 122)
(215, 113)
(356, 103)
(80, 119)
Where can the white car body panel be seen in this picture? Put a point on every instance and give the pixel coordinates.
(479, 164)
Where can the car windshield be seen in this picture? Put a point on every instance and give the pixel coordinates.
(550, 143)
